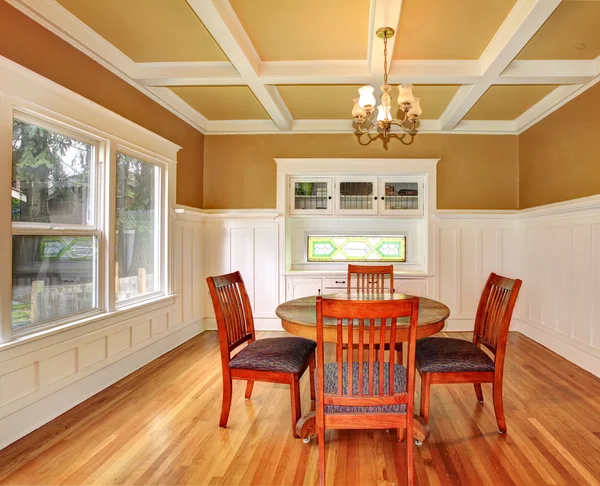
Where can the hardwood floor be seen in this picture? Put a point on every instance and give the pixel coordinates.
(160, 426)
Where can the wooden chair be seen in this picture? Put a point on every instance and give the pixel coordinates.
(445, 360)
(372, 393)
(370, 278)
(275, 360)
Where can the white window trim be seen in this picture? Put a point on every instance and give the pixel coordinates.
(30, 94)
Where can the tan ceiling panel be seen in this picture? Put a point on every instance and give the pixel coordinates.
(448, 29)
(294, 30)
(149, 30)
(334, 102)
(508, 102)
(571, 32)
(222, 102)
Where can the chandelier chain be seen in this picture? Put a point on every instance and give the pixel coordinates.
(385, 64)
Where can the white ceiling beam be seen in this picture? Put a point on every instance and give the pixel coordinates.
(222, 23)
(186, 73)
(549, 72)
(434, 72)
(180, 107)
(499, 127)
(315, 72)
(222, 127)
(545, 106)
(521, 24)
(384, 13)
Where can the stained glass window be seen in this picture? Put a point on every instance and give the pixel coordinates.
(357, 248)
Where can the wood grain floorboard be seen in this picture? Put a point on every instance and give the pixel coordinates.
(159, 426)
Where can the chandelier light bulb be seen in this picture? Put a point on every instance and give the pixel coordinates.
(383, 113)
(415, 110)
(405, 96)
(367, 98)
(357, 111)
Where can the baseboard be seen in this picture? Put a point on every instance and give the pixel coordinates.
(574, 354)
(26, 420)
(260, 324)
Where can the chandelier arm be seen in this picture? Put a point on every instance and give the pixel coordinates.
(366, 130)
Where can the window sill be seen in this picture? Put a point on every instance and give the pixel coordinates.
(122, 313)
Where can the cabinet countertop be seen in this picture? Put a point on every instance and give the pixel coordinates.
(343, 273)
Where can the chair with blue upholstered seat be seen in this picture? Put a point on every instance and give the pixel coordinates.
(447, 360)
(367, 393)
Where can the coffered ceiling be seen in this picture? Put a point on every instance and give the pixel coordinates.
(272, 66)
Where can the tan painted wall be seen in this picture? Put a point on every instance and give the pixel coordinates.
(559, 157)
(31, 45)
(475, 171)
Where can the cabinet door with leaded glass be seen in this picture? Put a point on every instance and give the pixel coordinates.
(401, 196)
(310, 195)
(356, 195)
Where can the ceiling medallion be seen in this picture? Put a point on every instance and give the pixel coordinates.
(364, 105)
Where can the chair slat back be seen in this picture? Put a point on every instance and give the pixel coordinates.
(362, 326)
(494, 313)
(235, 322)
(370, 278)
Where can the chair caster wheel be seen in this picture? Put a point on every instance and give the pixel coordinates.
(501, 432)
(418, 442)
(306, 440)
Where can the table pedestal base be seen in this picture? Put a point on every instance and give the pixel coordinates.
(306, 427)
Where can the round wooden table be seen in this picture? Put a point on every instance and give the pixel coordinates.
(299, 317)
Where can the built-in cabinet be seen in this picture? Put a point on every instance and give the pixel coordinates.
(354, 198)
(356, 195)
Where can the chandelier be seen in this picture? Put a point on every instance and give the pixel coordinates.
(364, 105)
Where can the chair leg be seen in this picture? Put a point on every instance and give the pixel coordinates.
(321, 444)
(311, 370)
(410, 465)
(226, 405)
(499, 405)
(296, 407)
(249, 387)
(425, 388)
(478, 392)
(401, 434)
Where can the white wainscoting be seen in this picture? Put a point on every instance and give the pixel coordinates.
(43, 377)
(468, 248)
(559, 262)
(554, 249)
(248, 242)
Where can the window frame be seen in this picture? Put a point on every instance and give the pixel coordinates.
(160, 218)
(96, 230)
(29, 93)
(102, 225)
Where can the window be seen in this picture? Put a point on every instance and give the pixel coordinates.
(60, 211)
(137, 228)
(55, 224)
(357, 248)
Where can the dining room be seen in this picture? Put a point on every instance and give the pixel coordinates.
(350, 242)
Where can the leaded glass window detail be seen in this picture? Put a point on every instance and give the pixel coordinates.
(357, 248)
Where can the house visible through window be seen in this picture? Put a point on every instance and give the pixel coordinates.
(55, 232)
(356, 249)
